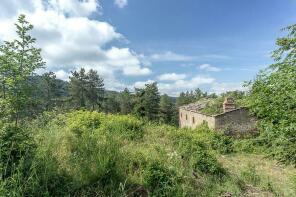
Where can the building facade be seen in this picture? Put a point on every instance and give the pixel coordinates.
(232, 120)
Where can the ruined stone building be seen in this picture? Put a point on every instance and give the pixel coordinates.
(232, 120)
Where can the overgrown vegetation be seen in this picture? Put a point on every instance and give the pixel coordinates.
(68, 139)
(85, 153)
(272, 99)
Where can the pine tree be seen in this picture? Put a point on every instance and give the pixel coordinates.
(139, 108)
(126, 105)
(50, 89)
(78, 88)
(166, 111)
(95, 89)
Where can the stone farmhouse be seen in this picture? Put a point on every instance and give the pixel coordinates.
(232, 120)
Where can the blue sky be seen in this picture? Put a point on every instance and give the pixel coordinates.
(215, 45)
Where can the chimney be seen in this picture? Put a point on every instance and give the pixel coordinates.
(228, 104)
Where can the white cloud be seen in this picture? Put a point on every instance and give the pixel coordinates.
(171, 77)
(61, 74)
(210, 68)
(174, 88)
(121, 3)
(141, 84)
(74, 8)
(170, 56)
(219, 88)
(70, 40)
(178, 86)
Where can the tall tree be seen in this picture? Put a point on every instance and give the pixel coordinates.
(19, 59)
(166, 111)
(111, 103)
(95, 89)
(151, 101)
(126, 105)
(50, 89)
(139, 108)
(147, 102)
(78, 88)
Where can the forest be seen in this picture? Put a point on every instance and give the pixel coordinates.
(76, 138)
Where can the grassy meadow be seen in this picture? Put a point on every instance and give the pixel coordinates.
(85, 153)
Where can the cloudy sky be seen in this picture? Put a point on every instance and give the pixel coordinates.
(215, 45)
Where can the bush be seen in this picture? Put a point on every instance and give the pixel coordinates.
(204, 162)
(161, 180)
(196, 150)
(125, 125)
(85, 154)
(79, 121)
(16, 147)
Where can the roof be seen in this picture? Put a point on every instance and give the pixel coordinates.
(195, 107)
(198, 106)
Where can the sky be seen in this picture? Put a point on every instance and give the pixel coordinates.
(215, 45)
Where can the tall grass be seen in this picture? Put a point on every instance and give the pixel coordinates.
(84, 153)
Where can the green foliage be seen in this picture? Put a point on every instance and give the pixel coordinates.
(16, 146)
(221, 143)
(214, 106)
(193, 96)
(83, 153)
(250, 175)
(126, 103)
(19, 59)
(161, 180)
(147, 102)
(86, 89)
(111, 103)
(166, 111)
(127, 126)
(95, 89)
(196, 149)
(272, 100)
(216, 141)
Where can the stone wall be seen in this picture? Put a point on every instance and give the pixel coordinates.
(236, 121)
(192, 119)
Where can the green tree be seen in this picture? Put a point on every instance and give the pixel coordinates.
(166, 112)
(78, 88)
(126, 104)
(50, 89)
(95, 89)
(273, 99)
(139, 108)
(19, 59)
(111, 103)
(147, 102)
(151, 101)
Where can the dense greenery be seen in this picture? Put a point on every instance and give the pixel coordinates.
(273, 100)
(214, 106)
(62, 138)
(19, 59)
(85, 153)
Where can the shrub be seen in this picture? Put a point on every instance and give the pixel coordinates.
(221, 143)
(125, 125)
(16, 145)
(161, 180)
(197, 152)
(79, 121)
(204, 162)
